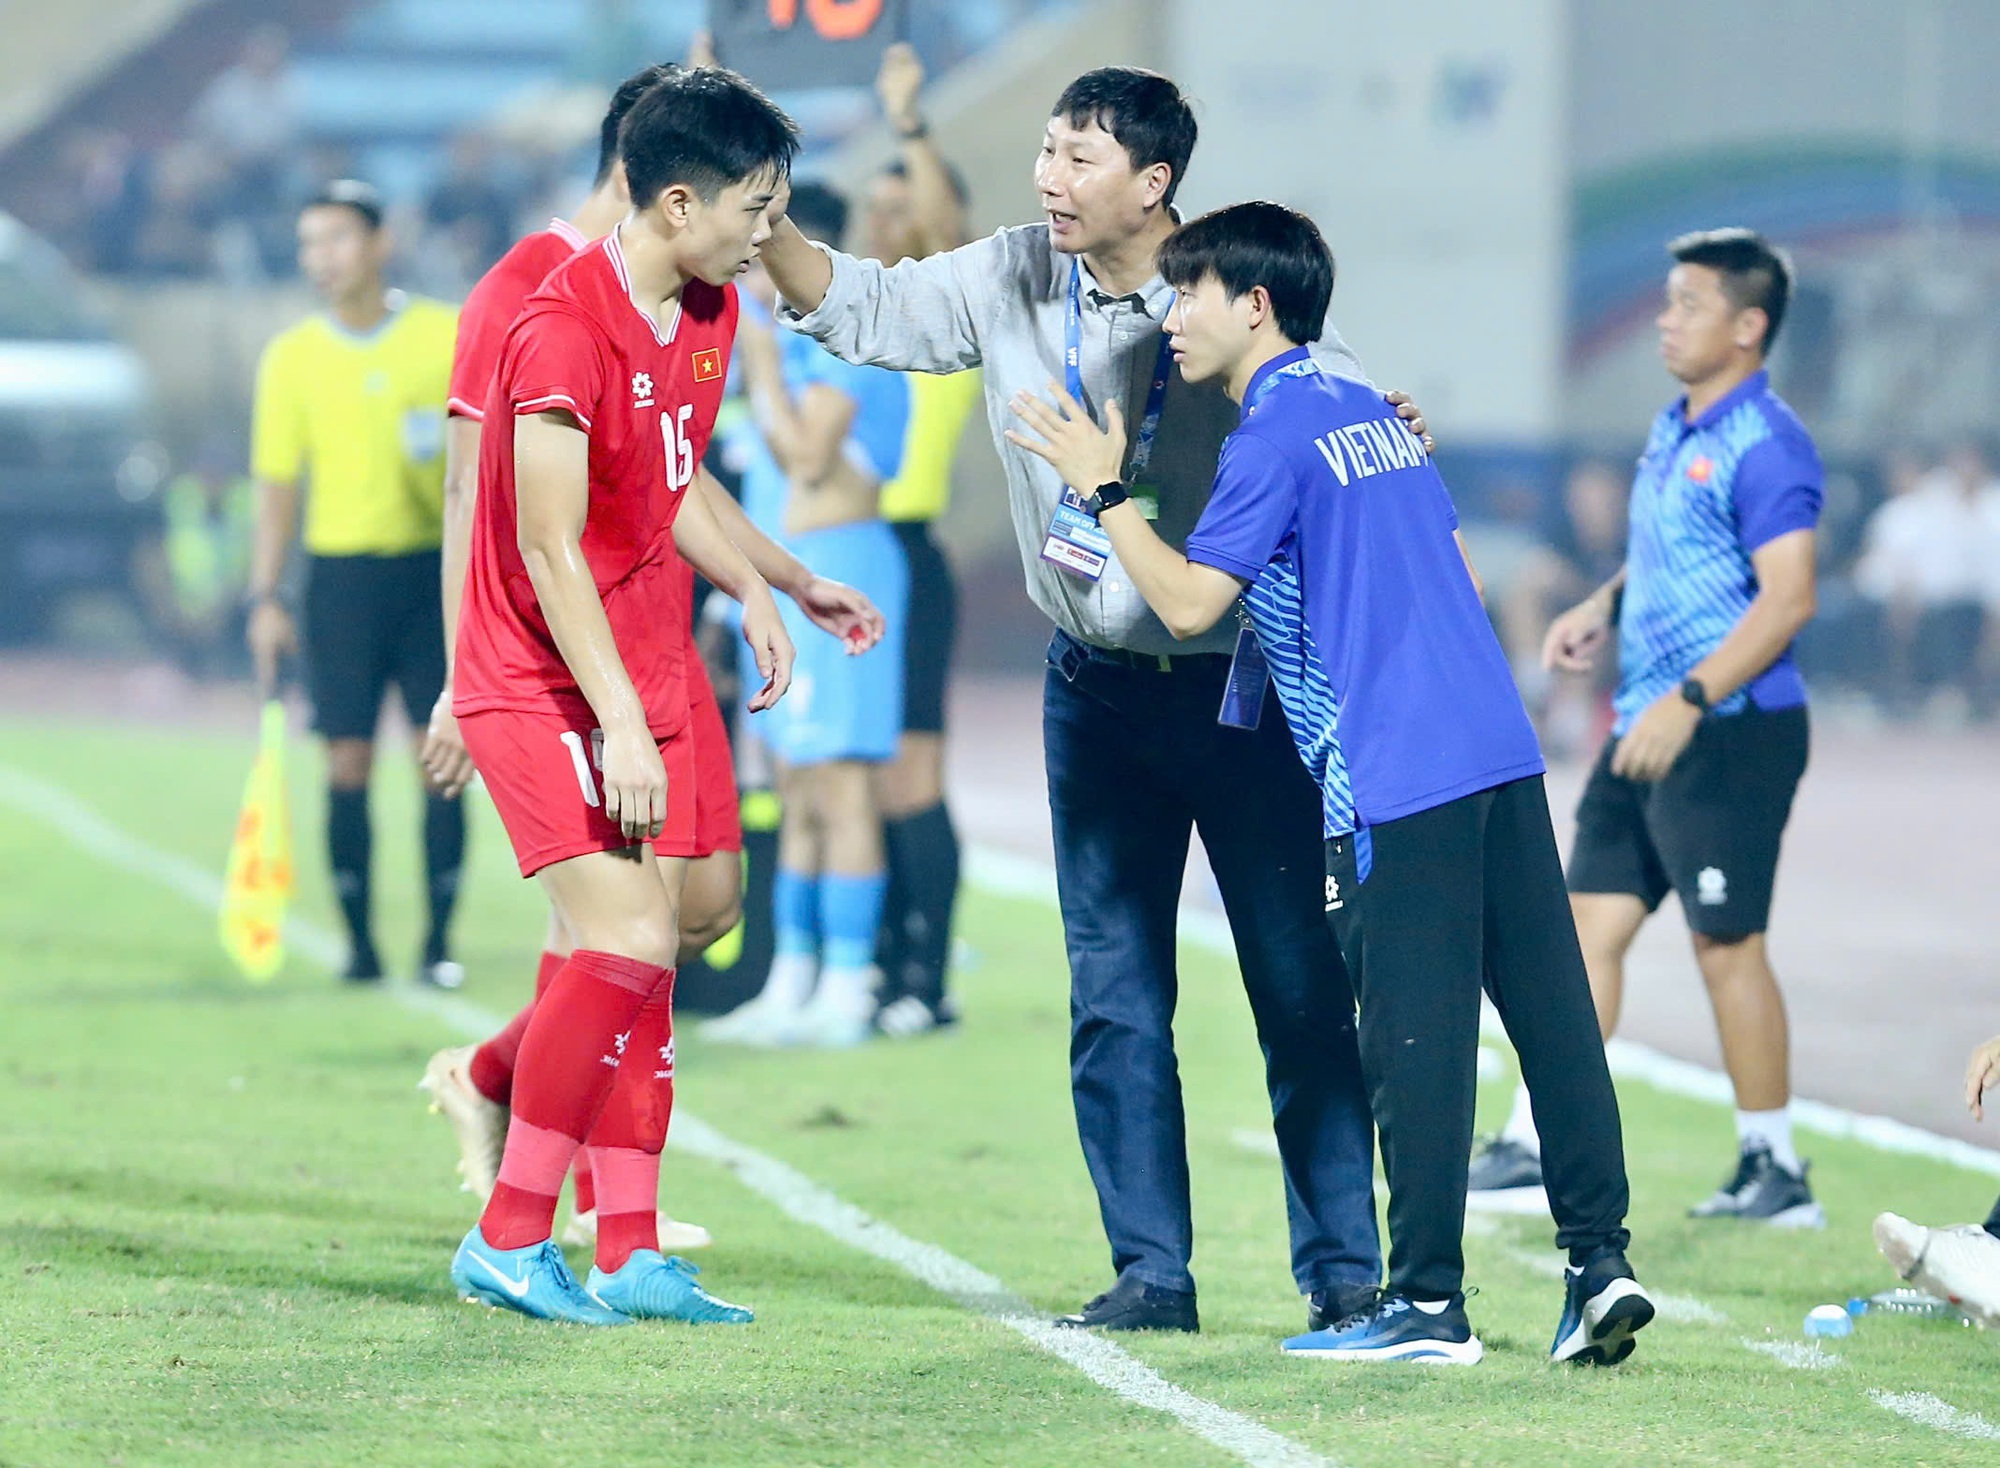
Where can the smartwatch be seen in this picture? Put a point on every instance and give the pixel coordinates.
(1105, 497)
(1693, 693)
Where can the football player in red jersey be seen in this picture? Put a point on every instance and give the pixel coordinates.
(575, 713)
(472, 1085)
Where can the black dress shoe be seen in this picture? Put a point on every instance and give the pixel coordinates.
(1132, 1304)
(1341, 1302)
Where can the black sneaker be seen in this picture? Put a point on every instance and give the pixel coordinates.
(1763, 1192)
(1329, 1307)
(1603, 1305)
(1505, 1177)
(1132, 1304)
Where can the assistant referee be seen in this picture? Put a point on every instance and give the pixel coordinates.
(350, 403)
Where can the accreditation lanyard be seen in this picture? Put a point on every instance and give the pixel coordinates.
(1249, 670)
(1075, 541)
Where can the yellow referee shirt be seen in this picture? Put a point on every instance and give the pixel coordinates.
(361, 419)
(939, 407)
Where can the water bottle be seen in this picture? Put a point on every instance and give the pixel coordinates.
(1829, 1320)
(1912, 1302)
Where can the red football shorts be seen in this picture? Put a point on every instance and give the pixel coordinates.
(718, 819)
(541, 771)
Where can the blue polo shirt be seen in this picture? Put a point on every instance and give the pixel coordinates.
(1706, 497)
(1397, 692)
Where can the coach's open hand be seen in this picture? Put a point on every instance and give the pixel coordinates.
(1084, 454)
(445, 759)
(1413, 418)
(1656, 738)
(634, 779)
(1981, 1074)
(835, 607)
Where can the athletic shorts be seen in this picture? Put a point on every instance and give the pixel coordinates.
(841, 707)
(933, 627)
(371, 621)
(1709, 832)
(541, 769)
(718, 819)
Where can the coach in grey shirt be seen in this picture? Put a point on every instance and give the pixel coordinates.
(1136, 756)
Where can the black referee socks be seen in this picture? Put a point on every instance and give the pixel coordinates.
(444, 859)
(923, 867)
(348, 849)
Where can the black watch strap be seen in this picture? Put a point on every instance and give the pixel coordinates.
(1107, 496)
(1692, 692)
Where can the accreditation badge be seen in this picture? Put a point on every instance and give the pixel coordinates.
(423, 434)
(1249, 675)
(1076, 542)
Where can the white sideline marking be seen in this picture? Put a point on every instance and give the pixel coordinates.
(1927, 1411)
(1102, 1360)
(1798, 1355)
(1003, 874)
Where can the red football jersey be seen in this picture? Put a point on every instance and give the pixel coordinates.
(647, 399)
(493, 306)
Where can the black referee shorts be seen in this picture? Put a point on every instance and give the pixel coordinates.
(1708, 832)
(933, 627)
(371, 621)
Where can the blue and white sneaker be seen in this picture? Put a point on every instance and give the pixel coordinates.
(648, 1287)
(1603, 1305)
(1397, 1328)
(533, 1281)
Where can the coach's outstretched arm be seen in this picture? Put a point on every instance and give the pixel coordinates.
(917, 316)
(552, 493)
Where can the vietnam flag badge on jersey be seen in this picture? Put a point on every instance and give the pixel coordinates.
(707, 364)
(257, 885)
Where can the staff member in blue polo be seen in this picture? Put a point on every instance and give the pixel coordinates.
(1136, 761)
(1441, 873)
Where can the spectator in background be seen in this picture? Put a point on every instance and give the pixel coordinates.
(1931, 567)
(473, 205)
(1585, 551)
(192, 575)
(249, 118)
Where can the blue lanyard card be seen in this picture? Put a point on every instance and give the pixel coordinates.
(1076, 542)
(1249, 676)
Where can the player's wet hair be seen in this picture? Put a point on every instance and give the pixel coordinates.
(1754, 271)
(961, 192)
(1143, 110)
(820, 212)
(705, 127)
(350, 193)
(1247, 245)
(629, 91)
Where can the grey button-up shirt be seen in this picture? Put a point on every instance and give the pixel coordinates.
(1000, 303)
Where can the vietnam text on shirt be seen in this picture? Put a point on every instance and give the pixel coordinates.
(1396, 689)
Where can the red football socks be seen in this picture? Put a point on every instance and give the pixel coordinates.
(492, 1067)
(625, 1145)
(568, 1063)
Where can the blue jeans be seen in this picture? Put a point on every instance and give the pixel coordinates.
(1136, 761)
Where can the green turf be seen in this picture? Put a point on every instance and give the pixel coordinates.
(225, 1220)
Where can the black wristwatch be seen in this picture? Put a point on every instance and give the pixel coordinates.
(1692, 692)
(1105, 496)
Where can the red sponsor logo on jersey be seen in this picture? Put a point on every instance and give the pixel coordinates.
(708, 364)
(1701, 468)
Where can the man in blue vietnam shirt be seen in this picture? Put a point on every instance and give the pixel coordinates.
(1441, 864)
(1695, 785)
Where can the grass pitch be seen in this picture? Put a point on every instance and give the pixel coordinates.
(225, 1220)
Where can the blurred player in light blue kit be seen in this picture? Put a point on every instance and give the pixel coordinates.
(830, 435)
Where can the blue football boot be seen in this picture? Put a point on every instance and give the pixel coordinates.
(1396, 1329)
(648, 1287)
(534, 1281)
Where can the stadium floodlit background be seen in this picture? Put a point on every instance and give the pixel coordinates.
(195, 1277)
